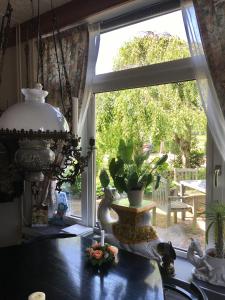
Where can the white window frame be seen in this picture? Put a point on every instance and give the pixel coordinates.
(88, 192)
(180, 70)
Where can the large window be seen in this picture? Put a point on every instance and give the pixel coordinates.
(145, 93)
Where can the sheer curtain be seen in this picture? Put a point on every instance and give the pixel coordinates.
(209, 95)
(94, 41)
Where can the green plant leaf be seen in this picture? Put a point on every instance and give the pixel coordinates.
(157, 181)
(146, 179)
(207, 232)
(104, 178)
(161, 160)
(132, 181)
(125, 151)
(116, 167)
(120, 184)
(120, 166)
(139, 159)
(112, 167)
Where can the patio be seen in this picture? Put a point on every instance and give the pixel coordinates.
(179, 234)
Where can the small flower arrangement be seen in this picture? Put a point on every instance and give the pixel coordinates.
(99, 255)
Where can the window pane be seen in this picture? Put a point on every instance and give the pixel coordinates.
(73, 192)
(153, 41)
(163, 119)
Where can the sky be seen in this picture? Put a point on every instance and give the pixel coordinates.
(111, 42)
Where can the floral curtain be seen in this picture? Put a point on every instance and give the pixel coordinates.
(211, 20)
(206, 42)
(75, 49)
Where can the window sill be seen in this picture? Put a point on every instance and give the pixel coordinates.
(183, 274)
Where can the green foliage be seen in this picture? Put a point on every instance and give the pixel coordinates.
(170, 113)
(75, 188)
(150, 49)
(125, 151)
(215, 213)
(130, 170)
(104, 178)
(196, 158)
(202, 173)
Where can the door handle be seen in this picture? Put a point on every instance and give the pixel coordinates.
(217, 173)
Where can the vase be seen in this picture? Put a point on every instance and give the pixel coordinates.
(34, 156)
(135, 197)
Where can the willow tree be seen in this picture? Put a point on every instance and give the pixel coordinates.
(170, 113)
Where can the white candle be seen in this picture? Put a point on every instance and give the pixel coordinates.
(102, 238)
(75, 116)
(37, 296)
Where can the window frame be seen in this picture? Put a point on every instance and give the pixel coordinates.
(179, 70)
(161, 73)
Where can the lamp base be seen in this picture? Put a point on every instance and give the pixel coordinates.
(34, 176)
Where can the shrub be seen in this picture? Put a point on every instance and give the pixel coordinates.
(196, 158)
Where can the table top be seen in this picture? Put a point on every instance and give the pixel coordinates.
(123, 204)
(198, 185)
(58, 268)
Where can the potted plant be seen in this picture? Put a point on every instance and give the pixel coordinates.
(132, 172)
(211, 266)
(215, 213)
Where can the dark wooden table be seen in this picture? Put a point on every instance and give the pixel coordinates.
(58, 268)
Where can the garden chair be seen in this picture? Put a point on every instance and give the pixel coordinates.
(169, 204)
(185, 174)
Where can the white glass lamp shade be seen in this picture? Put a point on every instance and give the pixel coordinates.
(33, 114)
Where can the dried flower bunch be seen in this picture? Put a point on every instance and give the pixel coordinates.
(99, 255)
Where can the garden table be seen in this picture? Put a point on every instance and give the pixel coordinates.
(197, 185)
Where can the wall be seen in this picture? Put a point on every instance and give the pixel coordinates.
(8, 88)
(10, 212)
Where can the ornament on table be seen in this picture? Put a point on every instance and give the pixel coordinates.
(58, 217)
(168, 254)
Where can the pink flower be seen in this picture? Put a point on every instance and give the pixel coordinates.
(98, 254)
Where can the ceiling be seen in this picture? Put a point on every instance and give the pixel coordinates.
(22, 10)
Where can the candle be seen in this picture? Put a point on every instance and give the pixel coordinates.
(75, 116)
(37, 296)
(102, 238)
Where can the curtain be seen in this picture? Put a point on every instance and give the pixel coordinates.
(207, 48)
(80, 48)
(75, 49)
(211, 21)
(94, 42)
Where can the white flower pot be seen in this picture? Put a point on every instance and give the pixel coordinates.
(135, 197)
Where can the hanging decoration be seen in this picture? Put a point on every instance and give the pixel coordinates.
(34, 139)
(69, 163)
(74, 162)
